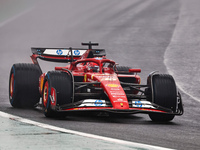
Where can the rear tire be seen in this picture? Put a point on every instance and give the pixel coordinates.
(23, 85)
(62, 83)
(165, 95)
(122, 70)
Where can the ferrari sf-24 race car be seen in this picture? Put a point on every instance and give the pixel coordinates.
(91, 83)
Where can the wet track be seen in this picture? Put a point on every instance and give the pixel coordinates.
(148, 34)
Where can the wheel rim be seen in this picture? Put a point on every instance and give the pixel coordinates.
(11, 85)
(45, 94)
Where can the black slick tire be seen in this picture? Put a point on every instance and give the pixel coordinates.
(165, 95)
(62, 83)
(23, 85)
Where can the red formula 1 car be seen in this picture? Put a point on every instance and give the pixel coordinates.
(90, 82)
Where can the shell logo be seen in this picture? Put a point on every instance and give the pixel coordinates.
(112, 85)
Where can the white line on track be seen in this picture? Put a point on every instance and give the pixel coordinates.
(195, 98)
(180, 87)
(165, 59)
(171, 72)
(50, 127)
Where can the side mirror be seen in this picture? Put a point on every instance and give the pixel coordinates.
(135, 70)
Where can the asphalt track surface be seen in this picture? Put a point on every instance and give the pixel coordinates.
(148, 34)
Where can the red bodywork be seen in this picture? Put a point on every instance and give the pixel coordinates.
(106, 75)
(99, 70)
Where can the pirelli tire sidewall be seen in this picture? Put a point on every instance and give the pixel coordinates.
(23, 85)
(164, 94)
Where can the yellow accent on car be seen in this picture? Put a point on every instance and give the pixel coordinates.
(85, 77)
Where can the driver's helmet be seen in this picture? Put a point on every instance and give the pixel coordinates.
(92, 66)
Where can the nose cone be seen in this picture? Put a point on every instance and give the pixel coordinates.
(113, 89)
(116, 94)
(120, 105)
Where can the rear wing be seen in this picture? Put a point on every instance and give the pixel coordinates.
(64, 54)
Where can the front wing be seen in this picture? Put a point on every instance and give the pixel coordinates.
(135, 106)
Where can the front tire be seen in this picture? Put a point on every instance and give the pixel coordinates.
(62, 83)
(164, 94)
